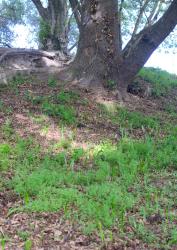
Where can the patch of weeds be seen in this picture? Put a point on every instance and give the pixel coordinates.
(1, 105)
(64, 143)
(24, 235)
(170, 108)
(110, 84)
(136, 119)
(52, 82)
(19, 79)
(54, 186)
(162, 81)
(3, 241)
(101, 196)
(5, 151)
(142, 233)
(66, 114)
(67, 97)
(129, 119)
(39, 119)
(45, 130)
(28, 96)
(28, 245)
(7, 129)
(6, 110)
(173, 237)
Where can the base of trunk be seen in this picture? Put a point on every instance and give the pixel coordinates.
(95, 80)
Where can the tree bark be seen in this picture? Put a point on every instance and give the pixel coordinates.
(99, 60)
(55, 15)
(139, 50)
(98, 51)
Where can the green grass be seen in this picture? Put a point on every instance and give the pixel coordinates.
(5, 109)
(18, 80)
(162, 81)
(58, 106)
(97, 197)
(67, 97)
(65, 113)
(129, 119)
(110, 186)
(52, 82)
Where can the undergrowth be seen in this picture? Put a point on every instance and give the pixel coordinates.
(105, 187)
(162, 81)
(94, 196)
(129, 119)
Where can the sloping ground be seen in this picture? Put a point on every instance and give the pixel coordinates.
(79, 171)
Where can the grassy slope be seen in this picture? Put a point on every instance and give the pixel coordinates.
(118, 187)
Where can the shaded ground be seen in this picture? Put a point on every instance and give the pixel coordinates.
(22, 114)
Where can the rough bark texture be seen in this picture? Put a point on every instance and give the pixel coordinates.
(55, 15)
(139, 50)
(97, 53)
(99, 59)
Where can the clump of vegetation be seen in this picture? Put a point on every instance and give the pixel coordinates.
(162, 81)
(4, 108)
(44, 31)
(59, 105)
(106, 188)
(5, 151)
(52, 82)
(130, 120)
(67, 97)
(19, 79)
(65, 113)
(110, 84)
(99, 195)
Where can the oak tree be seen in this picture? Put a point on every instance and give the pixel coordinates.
(101, 59)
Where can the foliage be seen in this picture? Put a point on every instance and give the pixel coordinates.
(52, 82)
(51, 183)
(44, 31)
(130, 120)
(12, 12)
(65, 113)
(162, 81)
(19, 79)
(106, 187)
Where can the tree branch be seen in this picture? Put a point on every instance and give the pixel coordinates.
(73, 46)
(157, 12)
(76, 8)
(147, 41)
(42, 11)
(156, 4)
(141, 11)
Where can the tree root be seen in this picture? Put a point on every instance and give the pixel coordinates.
(5, 53)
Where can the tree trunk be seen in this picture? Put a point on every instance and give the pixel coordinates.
(97, 55)
(54, 35)
(99, 60)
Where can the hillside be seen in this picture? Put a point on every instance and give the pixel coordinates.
(82, 171)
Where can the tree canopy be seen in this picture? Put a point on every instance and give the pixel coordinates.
(11, 13)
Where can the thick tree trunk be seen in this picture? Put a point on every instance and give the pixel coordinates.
(97, 55)
(99, 60)
(55, 17)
